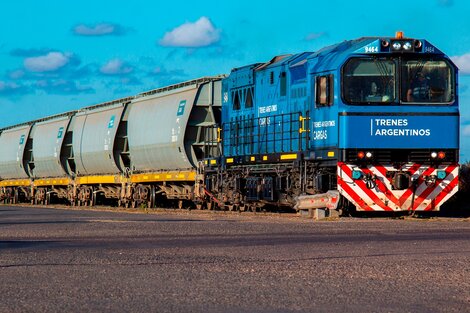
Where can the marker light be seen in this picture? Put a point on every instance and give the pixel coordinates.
(441, 155)
(385, 43)
(407, 46)
(418, 44)
(356, 174)
(441, 174)
(361, 155)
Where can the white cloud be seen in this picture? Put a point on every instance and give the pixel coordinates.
(115, 67)
(313, 36)
(466, 130)
(101, 29)
(6, 86)
(16, 74)
(46, 63)
(463, 63)
(201, 33)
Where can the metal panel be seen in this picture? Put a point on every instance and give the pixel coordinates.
(13, 143)
(93, 140)
(47, 142)
(156, 129)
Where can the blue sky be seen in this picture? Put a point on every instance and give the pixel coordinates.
(57, 56)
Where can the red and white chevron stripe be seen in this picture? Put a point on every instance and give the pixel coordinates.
(380, 195)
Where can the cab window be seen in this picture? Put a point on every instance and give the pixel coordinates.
(371, 80)
(427, 81)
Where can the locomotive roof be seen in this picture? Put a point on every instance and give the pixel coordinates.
(332, 57)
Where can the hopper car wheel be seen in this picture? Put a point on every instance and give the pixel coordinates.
(93, 199)
(152, 196)
(15, 197)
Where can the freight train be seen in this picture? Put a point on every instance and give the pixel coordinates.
(370, 124)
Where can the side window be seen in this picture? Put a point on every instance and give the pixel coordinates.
(324, 90)
(236, 100)
(249, 98)
(283, 85)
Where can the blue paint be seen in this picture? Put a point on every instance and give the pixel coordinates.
(395, 132)
(286, 115)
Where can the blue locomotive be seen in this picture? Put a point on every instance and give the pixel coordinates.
(371, 123)
(374, 121)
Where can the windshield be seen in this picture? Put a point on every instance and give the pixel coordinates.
(427, 81)
(369, 80)
(375, 81)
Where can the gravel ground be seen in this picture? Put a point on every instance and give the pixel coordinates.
(54, 260)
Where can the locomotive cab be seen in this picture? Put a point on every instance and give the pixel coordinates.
(398, 126)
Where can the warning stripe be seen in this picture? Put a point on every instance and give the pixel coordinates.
(409, 192)
(354, 197)
(382, 187)
(447, 191)
(424, 195)
(362, 185)
(368, 199)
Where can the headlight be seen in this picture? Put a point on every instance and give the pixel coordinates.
(407, 46)
(433, 155)
(369, 155)
(396, 45)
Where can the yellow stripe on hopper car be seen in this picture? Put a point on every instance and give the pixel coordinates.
(51, 182)
(163, 176)
(16, 182)
(99, 179)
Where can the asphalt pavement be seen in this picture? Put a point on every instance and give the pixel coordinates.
(61, 260)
